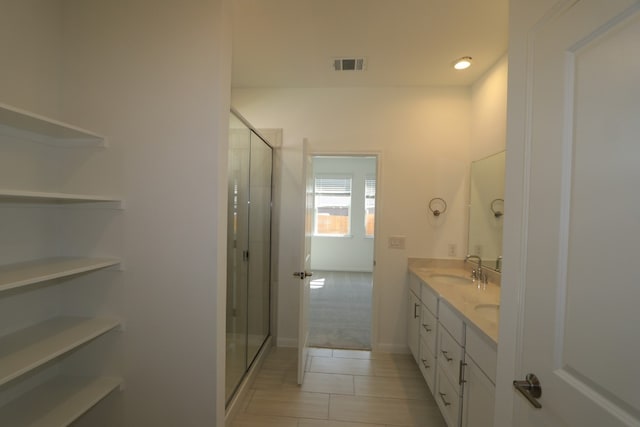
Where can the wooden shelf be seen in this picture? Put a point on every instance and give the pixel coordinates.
(57, 403)
(30, 272)
(24, 124)
(29, 348)
(19, 196)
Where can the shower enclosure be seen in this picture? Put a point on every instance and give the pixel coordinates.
(248, 249)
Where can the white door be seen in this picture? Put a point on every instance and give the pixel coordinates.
(305, 272)
(580, 331)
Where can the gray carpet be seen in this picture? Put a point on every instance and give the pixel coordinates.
(340, 310)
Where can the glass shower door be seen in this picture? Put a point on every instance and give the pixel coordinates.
(248, 250)
(259, 245)
(237, 263)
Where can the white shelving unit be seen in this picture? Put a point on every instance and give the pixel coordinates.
(57, 403)
(31, 272)
(61, 400)
(24, 124)
(18, 196)
(30, 348)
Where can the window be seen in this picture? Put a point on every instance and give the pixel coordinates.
(332, 205)
(369, 205)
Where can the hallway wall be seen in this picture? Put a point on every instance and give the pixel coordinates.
(154, 77)
(426, 138)
(422, 137)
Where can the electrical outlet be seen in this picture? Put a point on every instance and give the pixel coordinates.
(453, 250)
(396, 242)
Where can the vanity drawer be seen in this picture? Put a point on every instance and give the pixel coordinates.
(448, 399)
(450, 354)
(483, 351)
(452, 322)
(429, 298)
(428, 328)
(428, 365)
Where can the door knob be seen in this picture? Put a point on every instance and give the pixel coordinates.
(302, 274)
(530, 388)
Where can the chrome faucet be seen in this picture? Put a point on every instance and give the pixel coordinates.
(477, 274)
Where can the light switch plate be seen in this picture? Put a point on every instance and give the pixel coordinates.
(396, 242)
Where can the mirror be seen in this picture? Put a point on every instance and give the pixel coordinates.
(486, 209)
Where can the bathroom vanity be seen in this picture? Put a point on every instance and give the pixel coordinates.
(453, 334)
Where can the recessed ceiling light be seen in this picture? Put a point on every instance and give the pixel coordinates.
(462, 63)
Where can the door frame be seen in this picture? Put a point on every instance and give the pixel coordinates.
(522, 26)
(375, 299)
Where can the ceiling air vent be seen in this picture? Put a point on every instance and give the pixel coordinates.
(349, 64)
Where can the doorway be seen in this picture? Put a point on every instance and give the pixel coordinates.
(342, 251)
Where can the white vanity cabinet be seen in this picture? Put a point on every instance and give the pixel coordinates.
(428, 336)
(479, 376)
(413, 332)
(457, 360)
(451, 334)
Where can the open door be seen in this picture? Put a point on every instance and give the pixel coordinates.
(305, 273)
(577, 358)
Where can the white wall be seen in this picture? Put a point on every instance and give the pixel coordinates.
(489, 111)
(30, 48)
(155, 77)
(353, 252)
(422, 137)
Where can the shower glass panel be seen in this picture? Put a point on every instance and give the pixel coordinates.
(248, 250)
(259, 244)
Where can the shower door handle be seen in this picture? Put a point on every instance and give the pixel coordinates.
(302, 274)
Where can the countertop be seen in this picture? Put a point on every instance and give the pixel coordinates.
(464, 298)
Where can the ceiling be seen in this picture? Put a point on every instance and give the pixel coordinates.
(292, 43)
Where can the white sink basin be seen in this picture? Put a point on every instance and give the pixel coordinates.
(451, 279)
(489, 311)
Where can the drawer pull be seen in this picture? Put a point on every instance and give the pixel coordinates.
(424, 363)
(461, 373)
(415, 310)
(442, 395)
(426, 328)
(446, 355)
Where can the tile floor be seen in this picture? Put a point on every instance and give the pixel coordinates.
(342, 388)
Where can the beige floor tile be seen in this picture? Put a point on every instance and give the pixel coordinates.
(396, 367)
(331, 365)
(331, 423)
(248, 420)
(275, 380)
(289, 403)
(392, 387)
(353, 354)
(398, 412)
(328, 383)
(322, 352)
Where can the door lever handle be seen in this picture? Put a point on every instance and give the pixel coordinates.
(302, 274)
(531, 389)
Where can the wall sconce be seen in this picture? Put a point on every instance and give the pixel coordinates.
(437, 206)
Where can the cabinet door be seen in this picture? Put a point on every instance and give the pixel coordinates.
(427, 364)
(428, 328)
(447, 398)
(478, 397)
(413, 332)
(450, 355)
